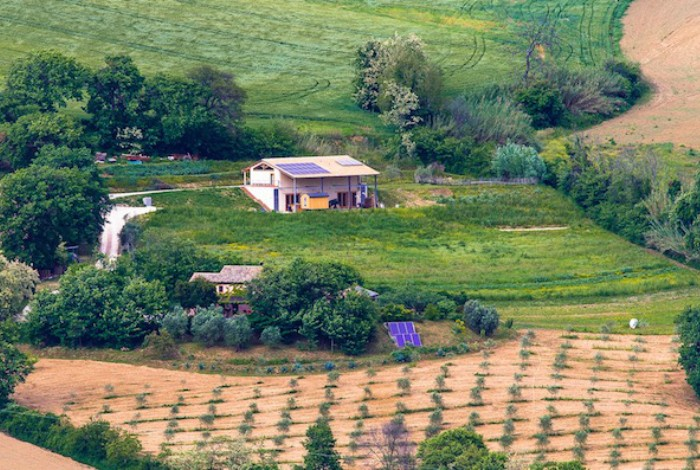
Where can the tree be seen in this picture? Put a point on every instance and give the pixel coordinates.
(395, 76)
(65, 157)
(281, 296)
(320, 448)
(540, 37)
(170, 259)
(14, 364)
(390, 447)
(26, 137)
(198, 293)
(18, 283)
(42, 207)
(208, 325)
(688, 326)
(480, 319)
(46, 80)
(115, 98)
(237, 331)
(458, 449)
(95, 307)
(271, 336)
(351, 322)
(223, 97)
(177, 322)
(518, 161)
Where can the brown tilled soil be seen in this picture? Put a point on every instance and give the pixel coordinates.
(636, 382)
(16, 455)
(664, 37)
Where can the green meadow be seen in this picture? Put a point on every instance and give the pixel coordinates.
(579, 275)
(295, 57)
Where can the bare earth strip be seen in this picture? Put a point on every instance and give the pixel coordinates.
(15, 455)
(638, 382)
(664, 37)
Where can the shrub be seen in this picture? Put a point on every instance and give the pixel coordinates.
(237, 331)
(176, 322)
(161, 346)
(271, 336)
(543, 103)
(395, 312)
(480, 319)
(490, 119)
(518, 161)
(208, 325)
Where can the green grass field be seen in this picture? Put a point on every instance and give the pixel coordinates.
(541, 278)
(295, 57)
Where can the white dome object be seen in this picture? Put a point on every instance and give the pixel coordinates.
(634, 323)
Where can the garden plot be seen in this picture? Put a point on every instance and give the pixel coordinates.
(550, 395)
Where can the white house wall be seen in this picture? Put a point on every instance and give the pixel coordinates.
(265, 194)
(261, 176)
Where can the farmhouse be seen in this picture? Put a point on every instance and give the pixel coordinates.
(230, 285)
(310, 183)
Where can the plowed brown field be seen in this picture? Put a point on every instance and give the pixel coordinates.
(664, 37)
(636, 380)
(18, 455)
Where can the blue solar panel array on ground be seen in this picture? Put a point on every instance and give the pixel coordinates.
(404, 333)
(300, 169)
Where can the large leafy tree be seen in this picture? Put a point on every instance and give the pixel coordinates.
(43, 207)
(115, 98)
(25, 138)
(95, 307)
(170, 259)
(458, 449)
(222, 96)
(14, 365)
(46, 80)
(688, 326)
(347, 321)
(281, 296)
(17, 285)
(320, 448)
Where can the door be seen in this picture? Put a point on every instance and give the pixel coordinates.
(277, 199)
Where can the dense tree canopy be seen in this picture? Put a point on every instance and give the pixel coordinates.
(17, 285)
(45, 80)
(281, 296)
(169, 260)
(42, 208)
(95, 307)
(25, 138)
(458, 449)
(14, 364)
(115, 98)
(688, 326)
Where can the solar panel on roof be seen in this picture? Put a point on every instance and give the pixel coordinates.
(349, 162)
(300, 169)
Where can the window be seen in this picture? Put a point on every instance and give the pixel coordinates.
(343, 199)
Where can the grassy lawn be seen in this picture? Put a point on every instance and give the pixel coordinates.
(295, 57)
(540, 278)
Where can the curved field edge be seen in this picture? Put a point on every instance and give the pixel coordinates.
(647, 392)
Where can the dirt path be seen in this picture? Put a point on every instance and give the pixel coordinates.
(15, 455)
(664, 37)
(115, 221)
(635, 385)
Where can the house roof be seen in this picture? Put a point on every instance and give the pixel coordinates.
(319, 167)
(230, 275)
